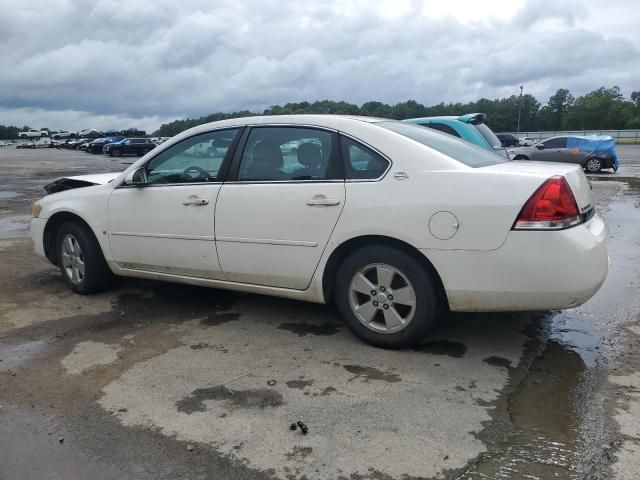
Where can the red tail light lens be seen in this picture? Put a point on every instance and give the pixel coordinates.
(551, 207)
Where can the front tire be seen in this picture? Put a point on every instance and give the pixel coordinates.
(386, 297)
(80, 259)
(521, 157)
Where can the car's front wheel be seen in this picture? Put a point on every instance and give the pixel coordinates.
(594, 165)
(80, 259)
(386, 297)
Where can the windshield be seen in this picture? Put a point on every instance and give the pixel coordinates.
(460, 150)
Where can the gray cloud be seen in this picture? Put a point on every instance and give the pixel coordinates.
(147, 61)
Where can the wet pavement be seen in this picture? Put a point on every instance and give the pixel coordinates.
(157, 381)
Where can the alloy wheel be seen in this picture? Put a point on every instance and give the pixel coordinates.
(72, 259)
(382, 298)
(594, 165)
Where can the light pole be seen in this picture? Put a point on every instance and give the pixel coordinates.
(519, 106)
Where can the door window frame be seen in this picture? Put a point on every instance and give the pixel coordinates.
(224, 166)
(335, 156)
(366, 147)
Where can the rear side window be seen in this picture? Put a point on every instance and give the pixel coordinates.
(360, 162)
(441, 127)
(464, 152)
(560, 142)
(288, 154)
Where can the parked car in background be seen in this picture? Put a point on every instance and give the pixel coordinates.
(4, 144)
(507, 140)
(470, 127)
(527, 141)
(33, 133)
(133, 132)
(75, 144)
(97, 145)
(61, 134)
(26, 145)
(129, 146)
(593, 153)
(324, 225)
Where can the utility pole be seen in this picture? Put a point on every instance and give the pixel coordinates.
(519, 106)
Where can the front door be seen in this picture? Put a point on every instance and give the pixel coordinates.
(167, 226)
(555, 150)
(276, 213)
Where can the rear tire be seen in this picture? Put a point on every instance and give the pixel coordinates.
(115, 153)
(594, 165)
(386, 297)
(80, 259)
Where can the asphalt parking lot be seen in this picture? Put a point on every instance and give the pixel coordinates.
(162, 381)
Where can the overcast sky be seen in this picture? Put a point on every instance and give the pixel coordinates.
(114, 64)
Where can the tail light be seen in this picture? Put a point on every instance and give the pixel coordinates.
(551, 207)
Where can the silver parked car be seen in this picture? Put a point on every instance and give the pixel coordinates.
(592, 153)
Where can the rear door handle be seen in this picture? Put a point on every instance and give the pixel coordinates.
(325, 202)
(196, 202)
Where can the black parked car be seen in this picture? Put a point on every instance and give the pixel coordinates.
(97, 145)
(129, 146)
(507, 140)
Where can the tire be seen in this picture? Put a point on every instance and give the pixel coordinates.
(521, 157)
(406, 272)
(593, 165)
(85, 270)
(115, 152)
(23, 136)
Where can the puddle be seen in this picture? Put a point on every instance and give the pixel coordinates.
(6, 194)
(14, 356)
(253, 398)
(14, 226)
(303, 328)
(545, 415)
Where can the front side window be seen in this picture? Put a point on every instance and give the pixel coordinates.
(360, 162)
(196, 159)
(288, 154)
(559, 142)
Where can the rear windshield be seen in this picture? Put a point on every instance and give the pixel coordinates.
(489, 136)
(464, 152)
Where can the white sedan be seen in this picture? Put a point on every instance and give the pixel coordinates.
(393, 222)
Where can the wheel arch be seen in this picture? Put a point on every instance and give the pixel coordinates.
(344, 249)
(51, 227)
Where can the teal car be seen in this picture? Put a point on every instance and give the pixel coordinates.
(469, 127)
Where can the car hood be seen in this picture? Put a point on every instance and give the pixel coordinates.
(79, 181)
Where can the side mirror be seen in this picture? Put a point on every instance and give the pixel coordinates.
(540, 146)
(137, 177)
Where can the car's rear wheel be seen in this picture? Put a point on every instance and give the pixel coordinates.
(80, 259)
(115, 152)
(594, 165)
(386, 297)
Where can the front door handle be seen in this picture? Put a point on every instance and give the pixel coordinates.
(322, 201)
(196, 202)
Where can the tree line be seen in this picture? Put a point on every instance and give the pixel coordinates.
(601, 109)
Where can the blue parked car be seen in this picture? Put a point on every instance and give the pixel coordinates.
(469, 127)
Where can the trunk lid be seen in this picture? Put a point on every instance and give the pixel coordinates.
(574, 175)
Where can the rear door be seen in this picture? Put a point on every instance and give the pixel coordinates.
(278, 208)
